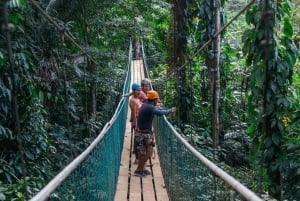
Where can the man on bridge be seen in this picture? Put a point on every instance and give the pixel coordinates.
(144, 128)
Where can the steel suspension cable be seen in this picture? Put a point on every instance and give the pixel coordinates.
(62, 29)
(219, 32)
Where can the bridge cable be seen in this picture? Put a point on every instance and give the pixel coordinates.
(219, 32)
(62, 29)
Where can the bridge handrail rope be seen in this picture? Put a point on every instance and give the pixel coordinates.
(146, 69)
(61, 29)
(229, 180)
(45, 193)
(57, 180)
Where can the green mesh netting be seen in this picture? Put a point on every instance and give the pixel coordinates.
(186, 177)
(96, 176)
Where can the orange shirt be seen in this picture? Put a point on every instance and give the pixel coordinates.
(142, 96)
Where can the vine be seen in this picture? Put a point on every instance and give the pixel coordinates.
(272, 56)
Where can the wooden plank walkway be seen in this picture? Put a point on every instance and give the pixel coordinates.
(130, 187)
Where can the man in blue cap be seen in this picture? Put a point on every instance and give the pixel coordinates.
(135, 105)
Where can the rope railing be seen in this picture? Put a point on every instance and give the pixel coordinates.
(93, 174)
(187, 173)
(191, 176)
(146, 69)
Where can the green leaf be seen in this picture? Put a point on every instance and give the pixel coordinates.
(268, 142)
(280, 101)
(298, 171)
(269, 153)
(1, 57)
(49, 95)
(287, 28)
(78, 71)
(41, 96)
(269, 109)
(20, 195)
(273, 87)
(276, 139)
(249, 17)
(2, 196)
(14, 4)
(287, 7)
(32, 90)
(251, 129)
(260, 34)
(8, 177)
(257, 17)
(273, 123)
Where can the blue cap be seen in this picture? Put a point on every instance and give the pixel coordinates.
(135, 86)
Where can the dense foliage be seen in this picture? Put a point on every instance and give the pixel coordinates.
(62, 65)
(55, 93)
(273, 56)
(253, 86)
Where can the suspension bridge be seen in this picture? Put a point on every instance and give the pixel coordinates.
(104, 171)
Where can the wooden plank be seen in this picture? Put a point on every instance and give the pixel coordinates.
(142, 73)
(140, 189)
(156, 167)
(135, 189)
(122, 188)
(148, 190)
(161, 191)
(135, 197)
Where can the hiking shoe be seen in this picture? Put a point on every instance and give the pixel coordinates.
(147, 172)
(140, 173)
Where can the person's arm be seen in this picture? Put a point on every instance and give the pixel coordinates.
(161, 112)
(135, 111)
(128, 94)
(131, 105)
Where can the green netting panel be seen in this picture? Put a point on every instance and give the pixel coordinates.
(186, 177)
(96, 177)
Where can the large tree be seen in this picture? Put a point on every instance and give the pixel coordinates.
(211, 25)
(177, 57)
(270, 51)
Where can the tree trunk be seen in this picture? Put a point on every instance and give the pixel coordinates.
(179, 56)
(271, 151)
(215, 71)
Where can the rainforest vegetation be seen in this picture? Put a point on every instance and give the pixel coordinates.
(231, 67)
